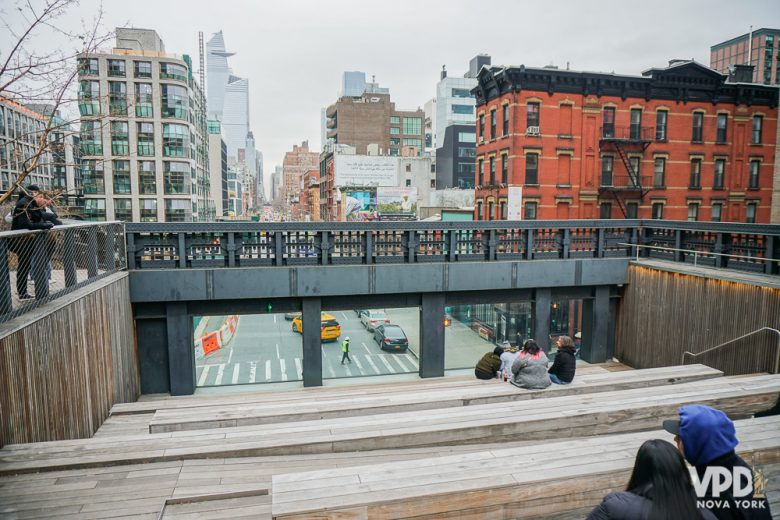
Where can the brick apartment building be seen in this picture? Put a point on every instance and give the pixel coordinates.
(296, 162)
(680, 142)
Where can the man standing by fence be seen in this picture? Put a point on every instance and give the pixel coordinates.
(28, 214)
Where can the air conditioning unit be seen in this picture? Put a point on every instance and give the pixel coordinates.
(532, 130)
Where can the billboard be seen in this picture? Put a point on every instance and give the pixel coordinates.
(358, 205)
(396, 200)
(514, 210)
(366, 170)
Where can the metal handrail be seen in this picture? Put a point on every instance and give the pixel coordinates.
(696, 253)
(777, 347)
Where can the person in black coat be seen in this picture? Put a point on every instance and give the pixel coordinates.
(564, 365)
(29, 213)
(660, 487)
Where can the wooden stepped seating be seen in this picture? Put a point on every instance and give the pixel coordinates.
(566, 416)
(543, 480)
(166, 402)
(267, 412)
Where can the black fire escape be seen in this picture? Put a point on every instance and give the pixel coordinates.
(627, 142)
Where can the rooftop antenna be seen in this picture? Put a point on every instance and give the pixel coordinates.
(202, 66)
(750, 46)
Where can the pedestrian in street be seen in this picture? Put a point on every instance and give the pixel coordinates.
(28, 214)
(345, 351)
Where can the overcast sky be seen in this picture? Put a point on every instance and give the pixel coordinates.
(294, 52)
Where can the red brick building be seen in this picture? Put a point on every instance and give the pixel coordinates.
(681, 142)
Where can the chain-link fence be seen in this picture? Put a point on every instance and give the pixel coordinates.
(38, 266)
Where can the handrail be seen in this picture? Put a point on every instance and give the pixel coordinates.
(777, 347)
(696, 253)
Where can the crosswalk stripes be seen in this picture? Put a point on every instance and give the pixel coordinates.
(359, 365)
(252, 371)
(267, 369)
(373, 365)
(220, 373)
(389, 368)
(299, 368)
(283, 366)
(236, 370)
(204, 374)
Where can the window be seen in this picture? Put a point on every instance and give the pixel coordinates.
(505, 121)
(658, 210)
(174, 101)
(698, 121)
(717, 211)
(408, 182)
(148, 210)
(482, 126)
(659, 172)
(660, 125)
(758, 124)
(502, 210)
(636, 166)
(721, 135)
(606, 170)
(413, 125)
(116, 68)
(95, 209)
(491, 209)
(466, 152)
(91, 140)
(720, 170)
(467, 137)
(693, 212)
(145, 139)
(143, 69)
(413, 142)
(117, 98)
(529, 211)
(532, 115)
(147, 178)
(92, 176)
(632, 210)
(492, 171)
(461, 92)
(481, 172)
(123, 210)
(395, 141)
(462, 109)
(88, 66)
(605, 210)
(608, 121)
(119, 138)
(143, 100)
(695, 181)
(492, 124)
(750, 213)
(479, 210)
(173, 71)
(121, 170)
(532, 168)
(395, 120)
(504, 169)
(176, 176)
(394, 130)
(176, 140)
(636, 123)
(89, 98)
(177, 210)
(753, 175)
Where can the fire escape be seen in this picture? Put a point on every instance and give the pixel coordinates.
(628, 143)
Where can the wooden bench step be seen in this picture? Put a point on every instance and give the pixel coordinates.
(535, 481)
(567, 416)
(242, 414)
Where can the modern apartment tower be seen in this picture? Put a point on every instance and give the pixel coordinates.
(759, 48)
(20, 129)
(143, 133)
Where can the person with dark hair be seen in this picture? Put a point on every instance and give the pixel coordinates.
(564, 364)
(488, 366)
(28, 214)
(660, 488)
(706, 437)
(530, 368)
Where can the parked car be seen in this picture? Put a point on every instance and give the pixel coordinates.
(391, 337)
(289, 316)
(330, 329)
(371, 318)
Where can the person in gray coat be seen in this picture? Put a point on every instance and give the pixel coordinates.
(529, 369)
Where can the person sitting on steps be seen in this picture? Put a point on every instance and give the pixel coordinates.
(564, 364)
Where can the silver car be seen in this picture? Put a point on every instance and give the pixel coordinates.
(372, 318)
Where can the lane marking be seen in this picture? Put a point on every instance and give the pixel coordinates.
(359, 365)
(277, 352)
(411, 359)
(345, 315)
(389, 367)
(373, 365)
(220, 373)
(283, 365)
(236, 369)
(330, 369)
(367, 349)
(299, 368)
(348, 371)
(203, 375)
(397, 359)
(267, 369)
(274, 318)
(231, 355)
(252, 371)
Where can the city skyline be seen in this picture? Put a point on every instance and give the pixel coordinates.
(294, 55)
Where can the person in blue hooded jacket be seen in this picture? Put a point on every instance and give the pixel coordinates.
(706, 437)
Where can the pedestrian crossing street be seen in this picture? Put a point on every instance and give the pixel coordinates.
(291, 369)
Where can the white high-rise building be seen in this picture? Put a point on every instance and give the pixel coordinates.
(217, 74)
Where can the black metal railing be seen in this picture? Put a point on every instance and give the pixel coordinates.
(627, 133)
(243, 244)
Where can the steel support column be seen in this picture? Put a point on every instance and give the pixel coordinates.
(542, 301)
(596, 323)
(181, 354)
(312, 342)
(432, 335)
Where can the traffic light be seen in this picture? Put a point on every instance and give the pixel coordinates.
(447, 322)
(269, 308)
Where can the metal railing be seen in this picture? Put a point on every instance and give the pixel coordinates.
(776, 364)
(749, 247)
(37, 267)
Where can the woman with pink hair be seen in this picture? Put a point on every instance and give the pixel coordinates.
(529, 370)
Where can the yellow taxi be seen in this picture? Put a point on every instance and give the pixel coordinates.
(330, 330)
